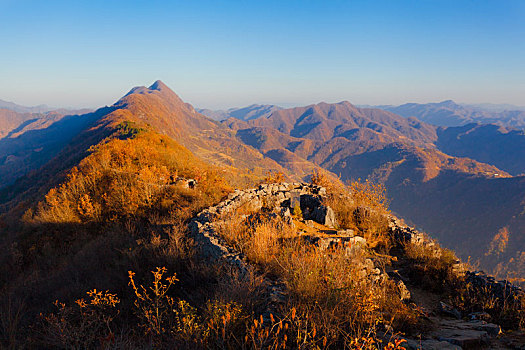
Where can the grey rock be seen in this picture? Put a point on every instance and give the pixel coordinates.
(431, 344)
(484, 316)
(466, 338)
(313, 209)
(357, 240)
(449, 310)
(324, 215)
(491, 328)
(354, 246)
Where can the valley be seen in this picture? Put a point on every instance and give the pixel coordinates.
(100, 191)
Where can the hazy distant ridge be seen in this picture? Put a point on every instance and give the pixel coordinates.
(243, 113)
(449, 113)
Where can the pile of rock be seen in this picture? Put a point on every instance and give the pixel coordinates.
(456, 331)
(275, 198)
(403, 234)
(501, 290)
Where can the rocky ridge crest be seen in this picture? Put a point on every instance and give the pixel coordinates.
(453, 332)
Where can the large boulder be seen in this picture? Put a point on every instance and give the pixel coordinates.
(313, 209)
(325, 215)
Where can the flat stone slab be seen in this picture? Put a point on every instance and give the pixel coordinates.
(466, 338)
(432, 344)
(429, 344)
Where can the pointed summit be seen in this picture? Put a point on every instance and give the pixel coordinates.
(159, 89)
(159, 86)
(162, 108)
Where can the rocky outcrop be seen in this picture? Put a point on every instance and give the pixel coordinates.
(403, 234)
(313, 209)
(281, 200)
(274, 197)
(501, 290)
(277, 199)
(452, 329)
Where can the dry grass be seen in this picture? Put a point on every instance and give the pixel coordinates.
(328, 288)
(11, 314)
(431, 265)
(134, 177)
(273, 177)
(507, 310)
(362, 206)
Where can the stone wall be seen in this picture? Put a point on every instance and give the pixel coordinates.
(282, 199)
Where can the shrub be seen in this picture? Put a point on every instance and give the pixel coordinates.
(153, 305)
(132, 177)
(274, 177)
(432, 265)
(224, 324)
(360, 205)
(87, 324)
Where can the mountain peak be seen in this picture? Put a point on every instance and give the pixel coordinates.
(346, 103)
(159, 86)
(447, 103)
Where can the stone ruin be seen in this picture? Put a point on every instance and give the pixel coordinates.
(282, 199)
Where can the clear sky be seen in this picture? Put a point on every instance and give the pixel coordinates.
(220, 54)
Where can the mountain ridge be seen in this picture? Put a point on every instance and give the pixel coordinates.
(449, 113)
(345, 140)
(253, 111)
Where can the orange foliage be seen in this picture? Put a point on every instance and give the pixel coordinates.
(129, 177)
(499, 242)
(274, 177)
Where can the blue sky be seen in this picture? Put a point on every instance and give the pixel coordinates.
(220, 54)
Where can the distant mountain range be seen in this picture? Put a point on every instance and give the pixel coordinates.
(456, 183)
(245, 113)
(29, 140)
(40, 109)
(494, 107)
(449, 113)
(22, 109)
(501, 144)
(15, 119)
(445, 113)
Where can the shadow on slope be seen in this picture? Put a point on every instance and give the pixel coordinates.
(34, 148)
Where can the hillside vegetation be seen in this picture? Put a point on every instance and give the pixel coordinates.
(146, 231)
(121, 207)
(122, 270)
(460, 201)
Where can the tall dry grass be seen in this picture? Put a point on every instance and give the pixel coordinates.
(359, 205)
(327, 287)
